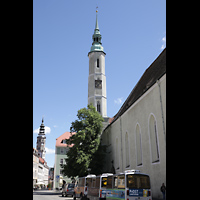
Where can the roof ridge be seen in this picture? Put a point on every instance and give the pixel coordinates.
(144, 83)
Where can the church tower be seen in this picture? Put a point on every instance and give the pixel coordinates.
(41, 141)
(97, 78)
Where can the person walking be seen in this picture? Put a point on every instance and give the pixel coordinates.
(163, 189)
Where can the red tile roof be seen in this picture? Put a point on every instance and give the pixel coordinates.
(64, 136)
(41, 160)
(111, 119)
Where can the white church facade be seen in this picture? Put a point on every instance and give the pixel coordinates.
(136, 135)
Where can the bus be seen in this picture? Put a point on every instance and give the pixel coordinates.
(130, 185)
(97, 187)
(80, 189)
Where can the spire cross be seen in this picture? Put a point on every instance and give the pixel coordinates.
(96, 9)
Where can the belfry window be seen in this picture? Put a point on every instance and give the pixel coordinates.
(98, 63)
(98, 107)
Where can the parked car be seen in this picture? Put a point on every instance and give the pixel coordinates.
(68, 189)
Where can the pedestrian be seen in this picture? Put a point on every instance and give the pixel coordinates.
(63, 185)
(163, 189)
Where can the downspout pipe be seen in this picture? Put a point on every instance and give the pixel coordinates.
(161, 104)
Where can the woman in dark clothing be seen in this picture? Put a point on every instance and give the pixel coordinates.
(163, 189)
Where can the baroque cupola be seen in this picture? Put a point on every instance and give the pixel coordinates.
(41, 140)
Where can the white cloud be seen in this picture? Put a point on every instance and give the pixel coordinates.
(47, 130)
(164, 43)
(164, 39)
(36, 131)
(49, 151)
(118, 101)
(162, 47)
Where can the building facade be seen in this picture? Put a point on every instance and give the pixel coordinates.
(136, 137)
(35, 165)
(43, 171)
(61, 149)
(40, 169)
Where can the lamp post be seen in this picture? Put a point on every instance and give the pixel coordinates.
(89, 169)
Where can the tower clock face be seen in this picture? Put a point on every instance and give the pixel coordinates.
(98, 84)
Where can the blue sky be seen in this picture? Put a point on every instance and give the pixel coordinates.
(133, 35)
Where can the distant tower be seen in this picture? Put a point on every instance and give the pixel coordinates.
(41, 141)
(97, 78)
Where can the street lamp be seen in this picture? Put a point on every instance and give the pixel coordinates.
(89, 169)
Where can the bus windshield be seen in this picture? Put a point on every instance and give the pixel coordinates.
(138, 181)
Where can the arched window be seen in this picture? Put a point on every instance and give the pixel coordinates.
(127, 150)
(98, 107)
(138, 145)
(117, 154)
(153, 139)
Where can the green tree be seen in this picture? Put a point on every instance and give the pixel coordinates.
(97, 163)
(85, 142)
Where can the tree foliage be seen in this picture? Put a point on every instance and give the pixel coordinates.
(85, 143)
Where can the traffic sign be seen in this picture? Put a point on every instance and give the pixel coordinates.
(57, 177)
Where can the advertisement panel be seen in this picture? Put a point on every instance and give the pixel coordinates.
(138, 192)
(115, 194)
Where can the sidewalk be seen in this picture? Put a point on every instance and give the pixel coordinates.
(46, 192)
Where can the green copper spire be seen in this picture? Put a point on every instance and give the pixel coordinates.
(96, 45)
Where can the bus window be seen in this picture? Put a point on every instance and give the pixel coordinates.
(138, 181)
(109, 182)
(93, 182)
(81, 182)
(131, 181)
(144, 182)
(104, 182)
(89, 182)
(121, 182)
(115, 182)
(97, 182)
